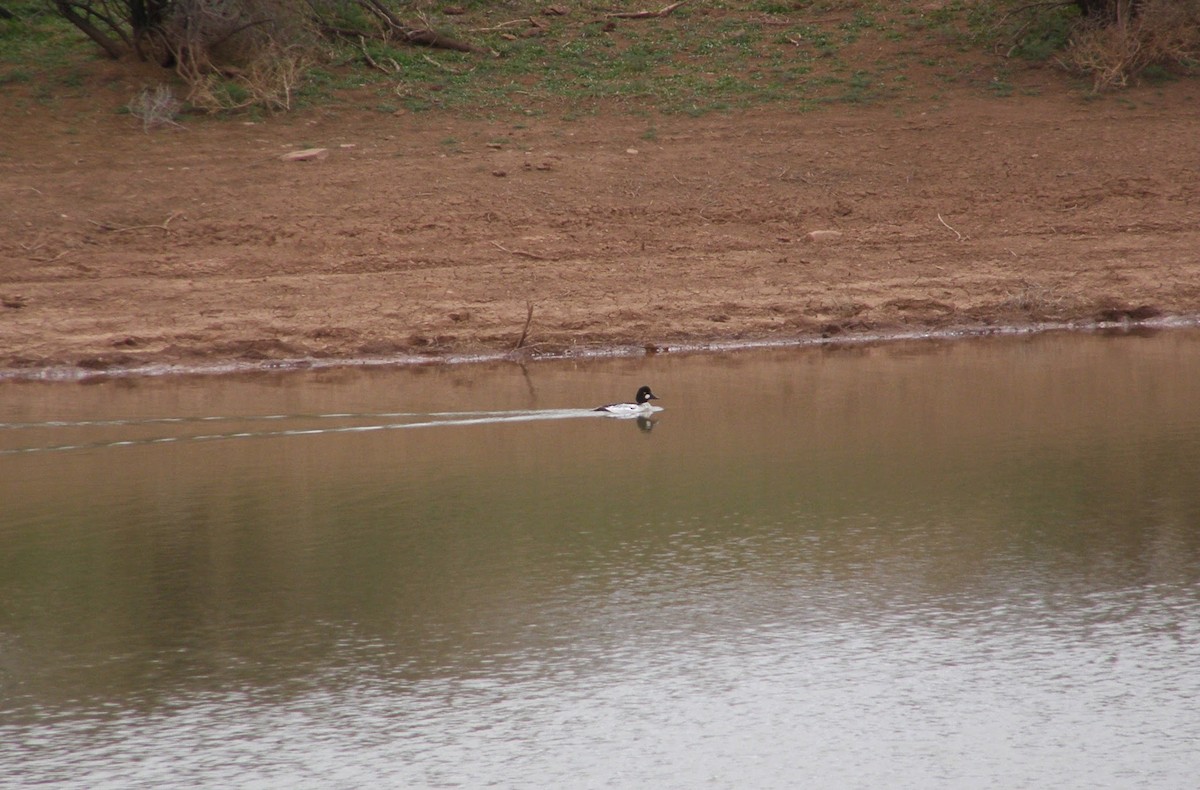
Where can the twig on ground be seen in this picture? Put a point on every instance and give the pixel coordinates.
(664, 11)
(521, 253)
(362, 41)
(528, 321)
(424, 36)
(956, 233)
(441, 66)
(522, 21)
(164, 225)
(51, 259)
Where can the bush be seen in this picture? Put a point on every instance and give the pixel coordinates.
(155, 107)
(230, 53)
(240, 53)
(1130, 36)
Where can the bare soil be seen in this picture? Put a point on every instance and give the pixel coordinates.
(429, 235)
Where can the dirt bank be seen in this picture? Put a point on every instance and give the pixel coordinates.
(427, 234)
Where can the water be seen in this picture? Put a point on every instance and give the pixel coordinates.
(919, 565)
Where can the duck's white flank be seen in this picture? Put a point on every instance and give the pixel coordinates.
(641, 405)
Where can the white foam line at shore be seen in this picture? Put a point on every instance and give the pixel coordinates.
(250, 418)
(300, 364)
(450, 418)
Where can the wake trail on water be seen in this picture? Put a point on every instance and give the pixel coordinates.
(420, 420)
(263, 417)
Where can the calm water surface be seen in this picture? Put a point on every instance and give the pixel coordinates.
(918, 565)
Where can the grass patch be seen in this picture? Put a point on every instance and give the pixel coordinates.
(701, 58)
(38, 45)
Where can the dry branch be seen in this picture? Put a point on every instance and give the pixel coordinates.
(662, 12)
(441, 66)
(522, 253)
(956, 233)
(121, 229)
(528, 321)
(51, 259)
(511, 23)
(413, 35)
(370, 60)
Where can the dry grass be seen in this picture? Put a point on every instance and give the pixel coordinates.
(1035, 302)
(240, 53)
(269, 81)
(155, 107)
(1163, 32)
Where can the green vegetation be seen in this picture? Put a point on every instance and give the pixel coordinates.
(699, 58)
(36, 44)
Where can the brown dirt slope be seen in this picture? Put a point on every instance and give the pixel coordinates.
(431, 234)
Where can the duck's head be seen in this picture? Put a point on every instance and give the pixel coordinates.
(644, 394)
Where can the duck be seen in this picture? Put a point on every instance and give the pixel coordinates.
(640, 406)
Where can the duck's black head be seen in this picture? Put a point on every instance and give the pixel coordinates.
(644, 394)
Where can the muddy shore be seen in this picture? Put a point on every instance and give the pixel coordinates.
(419, 238)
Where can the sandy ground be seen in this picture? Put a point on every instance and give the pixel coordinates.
(427, 235)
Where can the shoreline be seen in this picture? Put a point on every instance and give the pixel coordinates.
(204, 252)
(76, 374)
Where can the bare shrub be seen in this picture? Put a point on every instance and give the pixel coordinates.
(1115, 48)
(233, 54)
(239, 53)
(155, 107)
(229, 53)
(267, 80)
(1034, 301)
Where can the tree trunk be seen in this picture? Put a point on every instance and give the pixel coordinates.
(1108, 11)
(145, 15)
(113, 49)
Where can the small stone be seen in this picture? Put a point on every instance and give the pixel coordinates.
(308, 154)
(824, 235)
(499, 173)
(631, 150)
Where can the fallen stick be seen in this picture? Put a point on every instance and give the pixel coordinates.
(441, 66)
(161, 226)
(53, 259)
(426, 38)
(664, 11)
(521, 253)
(956, 233)
(522, 21)
(528, 321)
(423, 36)
(370, 60)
